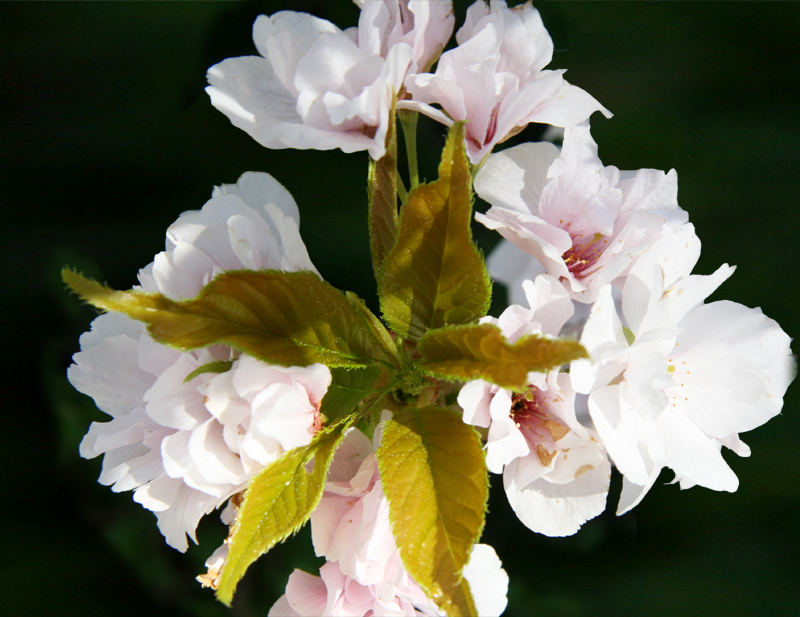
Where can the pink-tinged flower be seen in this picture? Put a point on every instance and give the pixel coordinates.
(183, 446)
(365, 575)
(495, 79)
(424, 25)
(316, 86)
(674, 379)
(584, 222)
(335, 593)
(351, 523)
(555, 472)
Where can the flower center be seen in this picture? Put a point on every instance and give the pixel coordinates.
(584, 253)
(540, 429)
(679, 371)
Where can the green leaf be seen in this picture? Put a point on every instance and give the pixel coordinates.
(481, 351)
(382, 189)
(221, 366)
(348, 388)
(288, 318)
(277, 504)
(434, 475)
(375, 326)
(434, 275)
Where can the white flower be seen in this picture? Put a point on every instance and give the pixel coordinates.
(495, 80)
(364, 574)
(424, 25)
(187, 446)
(583, 221)
(555, 472)
(316, 86)
(695, 376)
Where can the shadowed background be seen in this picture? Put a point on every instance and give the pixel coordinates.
(107, 136)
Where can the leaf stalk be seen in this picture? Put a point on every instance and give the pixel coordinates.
(408, 120)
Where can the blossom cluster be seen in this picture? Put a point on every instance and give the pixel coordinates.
(589, 252)
(607, 255)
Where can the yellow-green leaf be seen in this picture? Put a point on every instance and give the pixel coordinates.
(348, 388)
(382, 192)
(434, 475)
(220, 366)
(288, 318)
(277, 504)
(482, 352)
(434, 275)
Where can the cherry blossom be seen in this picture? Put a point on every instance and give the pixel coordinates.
(583, 221)
(334, 593)
(495, 79)
(555, 472)
(424, 25)
(316, 86)
(364, 572)
(184, 438)
(671, 380)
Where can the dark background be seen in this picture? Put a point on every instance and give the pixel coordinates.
(107, 136)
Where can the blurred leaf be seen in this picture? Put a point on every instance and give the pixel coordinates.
(434, 275)
(481, 351)
(277, 503)
(288, 318)
(434, 476)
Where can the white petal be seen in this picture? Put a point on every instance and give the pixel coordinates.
(187, 508)
(474, 398)
(211, 457)
(281, 608)
(551, 304)
(691, 454)
(129, 467)
(175, 454)
(487, 580)
(557, 509)
(604, 340)
(172, 402)
(285, 37)
(121, 431)
(632, 494)
(257, 189)
(247, 91)
(355, 447)
(306, 595)
(107, 368)
(514, 177)
(739, 365)
(569, 106)
(505, 442)
(618, 427)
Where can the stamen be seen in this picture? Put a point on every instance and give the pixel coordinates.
(530, 415)
(582, 255)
